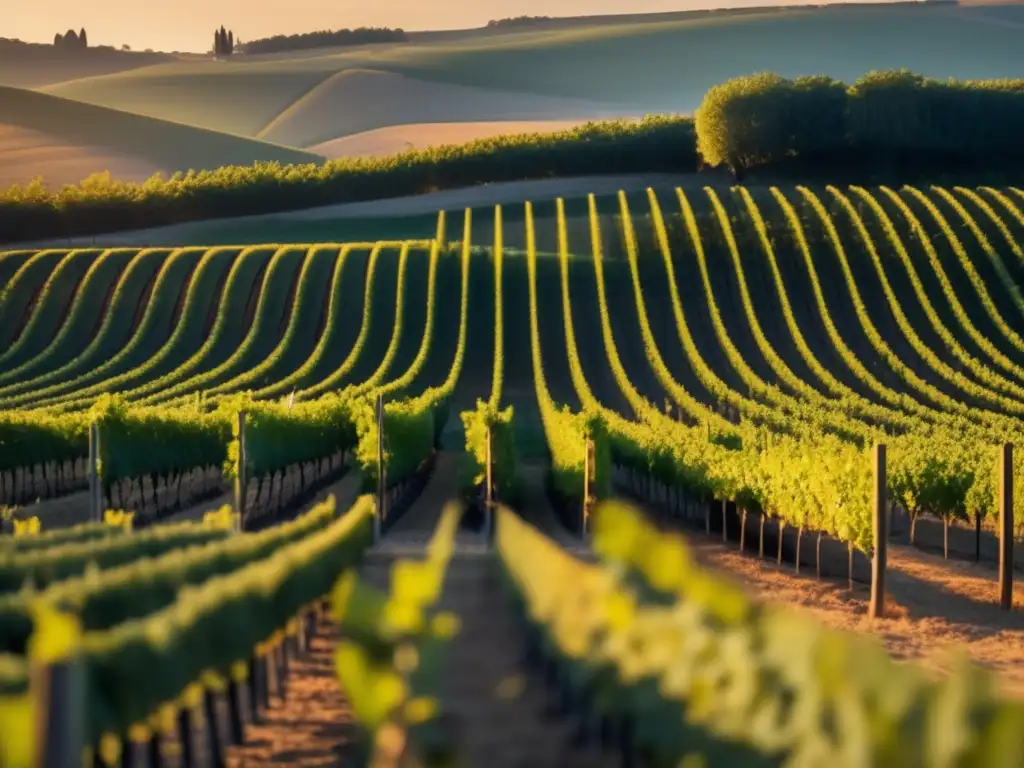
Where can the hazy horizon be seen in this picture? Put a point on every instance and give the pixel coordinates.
(188, 24)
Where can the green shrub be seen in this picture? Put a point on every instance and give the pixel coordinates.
(902, 111)
(764, 118)
(885, 120)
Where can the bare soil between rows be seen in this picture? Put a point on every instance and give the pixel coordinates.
(933, 606)
(313, 726)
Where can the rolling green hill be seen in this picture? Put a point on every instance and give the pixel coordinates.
(32, 65)
(664, 63)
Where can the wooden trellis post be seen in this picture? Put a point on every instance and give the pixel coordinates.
(589, 477)
(95, 484)
(881, 535)
(382, 499)
(60, 690)
(241, 476)
(1006, 527)
(489, 489)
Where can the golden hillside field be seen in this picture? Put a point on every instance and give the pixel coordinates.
(617, 65)
(64, 141)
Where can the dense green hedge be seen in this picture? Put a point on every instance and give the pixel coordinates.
(76, 534)
(100, 205)
(48, 566)
(141, 587)
(885, 120)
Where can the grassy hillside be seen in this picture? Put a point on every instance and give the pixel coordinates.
(656, 144)
(665, 66)
(231, 96)
(658, 64)
(70, 126)
(387, 99)
(31, 65)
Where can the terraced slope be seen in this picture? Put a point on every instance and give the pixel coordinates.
(821, 315)
(729, 353)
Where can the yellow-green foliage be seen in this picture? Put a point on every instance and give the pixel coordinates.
(709, 677)
(119, 518)
(177, 646)
(103, 204)
(278, 435)
(764, 118)
(224, 518)
(17, 713)
(57, 636)
(28, 527)
(389, 659)
(473, 472)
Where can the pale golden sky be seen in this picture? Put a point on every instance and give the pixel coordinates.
(187, 25)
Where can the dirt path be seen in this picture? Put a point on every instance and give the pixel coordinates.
(313, 727)
(537, 510)
(497, 709)
(73, 509)
(61, 512)
(196, 513)
(412, 530)
(500, 711)
(933, 604)
(345, 492)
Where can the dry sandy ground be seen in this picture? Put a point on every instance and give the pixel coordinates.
(399, 138)
(26, 154)
(313, 727)
(934, 605)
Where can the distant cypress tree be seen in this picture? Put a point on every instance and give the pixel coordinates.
(231, 42)
(71, 38)
(216, 43)
(58, 40)
(83, 39)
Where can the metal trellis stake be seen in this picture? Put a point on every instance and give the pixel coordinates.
(241, 476)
